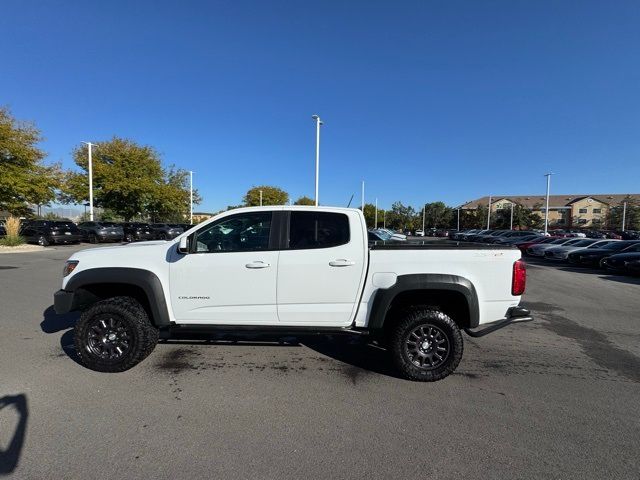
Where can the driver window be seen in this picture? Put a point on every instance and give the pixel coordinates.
(245, 232)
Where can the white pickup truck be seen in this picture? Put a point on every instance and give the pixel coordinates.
(292, 270)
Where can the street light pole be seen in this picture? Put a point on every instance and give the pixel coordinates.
(423, 217)
(261, 198)
(511, 225)
(624, 214)
(376, 215)
(384, 219)
(190, 197)
(489, 213)
(362, 196)
(458, 219)
(546, 209)
(89, 145)
(318, 123)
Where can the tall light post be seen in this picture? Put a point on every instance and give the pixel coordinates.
(489, 213)
(261, 198)
(458, 219)
(546, 208)
(190, 197)
(362, 196)
(424, 209)
(384, 219)
(376, 215)
(318, 123)
(624, 214)
(511, 225)
(89, 145)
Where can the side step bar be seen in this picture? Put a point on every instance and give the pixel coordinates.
(514, 315)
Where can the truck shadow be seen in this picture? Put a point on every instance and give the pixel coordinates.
(54, 323)
(355, 355)
(353, 351)
(10, 456)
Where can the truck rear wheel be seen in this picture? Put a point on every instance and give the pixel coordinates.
(426, 345)
(115, 334)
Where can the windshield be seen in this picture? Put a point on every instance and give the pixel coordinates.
(616, 246)
(582, 243)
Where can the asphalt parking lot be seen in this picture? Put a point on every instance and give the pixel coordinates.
(555, 398)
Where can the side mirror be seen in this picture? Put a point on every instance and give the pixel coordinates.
(183, 245)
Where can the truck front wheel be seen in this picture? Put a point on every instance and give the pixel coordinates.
(115, 334)
(426, 345)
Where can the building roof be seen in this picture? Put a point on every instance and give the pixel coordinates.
(533, 201)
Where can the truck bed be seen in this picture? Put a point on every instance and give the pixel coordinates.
(436, 245)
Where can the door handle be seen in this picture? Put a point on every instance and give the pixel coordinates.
(258, 264)
(342, 262)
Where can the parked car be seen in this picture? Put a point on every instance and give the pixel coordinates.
(464, 234)
(388, 291)
(419, 233)
(134, 231)
(593, 257)
(3, 231)
(630, 235)
(617, 262)
(394, 235)
(516, 240)
(164, 231)
(509, 236)
(96, 232)
(595, 234)
(562, 252)
(440, 233)
(379, 235)
(632, 267)
(524, 245)
(538, 250)
(49, 232)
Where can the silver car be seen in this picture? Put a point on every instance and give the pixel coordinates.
(538, 250)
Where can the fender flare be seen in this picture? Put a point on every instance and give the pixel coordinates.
(144, 279)
(427, 281)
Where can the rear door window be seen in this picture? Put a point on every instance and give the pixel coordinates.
(318, 230)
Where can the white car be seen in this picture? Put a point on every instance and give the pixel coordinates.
(419, 233)
(394, 235)
(292, 270)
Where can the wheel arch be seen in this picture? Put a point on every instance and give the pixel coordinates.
(92, 285)
(454, 295)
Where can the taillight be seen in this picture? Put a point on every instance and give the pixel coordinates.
(519, 278)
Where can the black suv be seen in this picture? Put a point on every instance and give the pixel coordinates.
(137, 231)
(95, 232)
(47, 232)
(165, 231)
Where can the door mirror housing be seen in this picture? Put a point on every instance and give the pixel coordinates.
(183, 245)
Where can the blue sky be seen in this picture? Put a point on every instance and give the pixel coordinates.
(424, 100)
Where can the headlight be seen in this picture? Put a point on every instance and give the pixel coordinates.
(69, 266)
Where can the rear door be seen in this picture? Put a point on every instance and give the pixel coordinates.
(321, 268)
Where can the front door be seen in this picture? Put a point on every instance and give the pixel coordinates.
(321, 270)
(230, 276)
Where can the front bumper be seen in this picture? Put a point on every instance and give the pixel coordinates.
(62, 301)
(514, 315)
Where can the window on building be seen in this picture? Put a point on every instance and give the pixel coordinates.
(560, 221)
(582, 220)
(582, 210)
(597, 210)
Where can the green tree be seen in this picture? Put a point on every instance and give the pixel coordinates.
(370, 216)
(270, 196)
(402, 217)
(24, 178)
(631, 217)
(523, 218)
(437, 215)
(304, 200)
(130, 181)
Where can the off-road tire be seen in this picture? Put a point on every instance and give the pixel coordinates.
(142, 333)
(443, 326)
